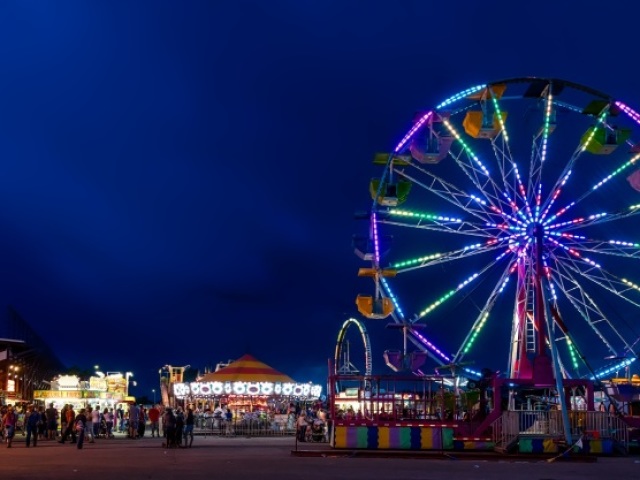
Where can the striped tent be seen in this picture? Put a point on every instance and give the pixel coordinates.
(246, 369)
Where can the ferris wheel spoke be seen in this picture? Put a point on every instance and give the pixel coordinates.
(472, 204)
(513, 185)
(477, 172)
(590, 306)
(417, 338)
(450, 293)
(430, 260)
(566, 173)
(617, 248)
(600, 277)
(584, 305)
(539, 152)
(483, 316)
(462, 228)
(596, 219)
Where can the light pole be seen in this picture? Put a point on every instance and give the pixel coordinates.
(127, 376)
(154, 396)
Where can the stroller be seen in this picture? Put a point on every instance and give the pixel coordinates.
(315, 431)
(102, 427)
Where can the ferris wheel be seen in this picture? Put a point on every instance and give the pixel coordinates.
(505, 224)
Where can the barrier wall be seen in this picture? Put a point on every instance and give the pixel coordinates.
(532, 444)
(393, 437)
(384, 437)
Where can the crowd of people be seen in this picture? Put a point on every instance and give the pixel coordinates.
(175, 425)
(38, 423)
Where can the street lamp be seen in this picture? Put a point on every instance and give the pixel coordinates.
(154, 395)
(127, 376)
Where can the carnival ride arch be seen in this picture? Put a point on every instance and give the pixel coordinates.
(342, 362)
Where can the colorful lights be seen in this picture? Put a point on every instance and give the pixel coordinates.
(635, 116)
(417, 261)
(624, 244)
(631, 284)
(499, 115)
(447, 295)
(431, 346)
(210, 389)
(461, 95)
(393, 298)
(466, 147)
(376, 243)
(585, 145)
(554, 197)
(573, 354)
(623, 167)
(547, 123)
(423, 216)
(475, 333)
(508, 212)
(615, 368)
(437, 303)
(413, 130)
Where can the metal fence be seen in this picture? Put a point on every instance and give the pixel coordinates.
(252, 428)
(513, 424)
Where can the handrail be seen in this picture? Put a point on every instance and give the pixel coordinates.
(596, 425)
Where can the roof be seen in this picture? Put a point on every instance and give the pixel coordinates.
(246, 369)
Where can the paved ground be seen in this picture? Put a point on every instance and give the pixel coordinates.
(257, 458)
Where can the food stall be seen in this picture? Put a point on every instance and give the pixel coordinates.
(98, 392)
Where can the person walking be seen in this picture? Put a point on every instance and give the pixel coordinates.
(9, 421)
(80, 426)
(52, 422)
(189, 422)
(96, 421)
(70, 429)
(88, 433)
(154, 419)
(42, 424)
(169, 426)
(109, 418)
(32, 421)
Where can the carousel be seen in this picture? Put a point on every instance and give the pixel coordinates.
(245, 386)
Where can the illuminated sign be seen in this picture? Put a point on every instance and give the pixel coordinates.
(116, 384)
(97, 383)
(11, 386)
(68, 382)
(206, 389)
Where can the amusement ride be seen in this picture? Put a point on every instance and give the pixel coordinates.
(503, 233)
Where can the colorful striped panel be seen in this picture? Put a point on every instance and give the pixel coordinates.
(384, 437)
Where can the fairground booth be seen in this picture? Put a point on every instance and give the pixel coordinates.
(105, 391)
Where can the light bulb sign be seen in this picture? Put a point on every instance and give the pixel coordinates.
(211, 389)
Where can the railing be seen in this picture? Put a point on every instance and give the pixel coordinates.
(253, 428)
(596, 425)
(506, 430)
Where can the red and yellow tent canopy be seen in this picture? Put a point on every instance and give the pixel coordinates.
(247, 369)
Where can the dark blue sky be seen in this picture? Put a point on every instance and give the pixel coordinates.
(178, 179)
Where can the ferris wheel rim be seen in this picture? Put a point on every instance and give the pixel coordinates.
(402, 146)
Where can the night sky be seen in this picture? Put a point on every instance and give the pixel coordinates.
(178, 180)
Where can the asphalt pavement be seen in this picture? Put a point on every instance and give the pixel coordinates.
(233, 458)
